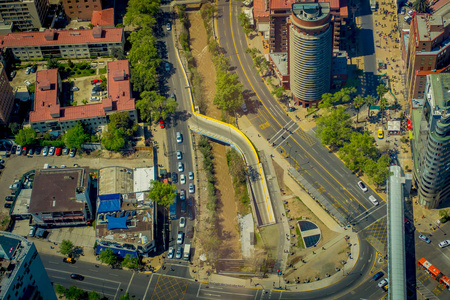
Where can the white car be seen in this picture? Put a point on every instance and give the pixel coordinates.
(19, 150)
(424, 238)
(191, 188)
(373, 200)
(180, 167)
(191, 175)
(179, 252)
(362, 186)
(51, 152)
(45, 151)
(180, 237)
(444, 244)
(182, 179)
(27, 82)
(182, 222)
(95, 98)
(179, 138)
(179, 155)
(75, 88)
(383, 283)
(171, 252)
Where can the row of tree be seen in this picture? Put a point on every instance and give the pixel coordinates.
(76, 293)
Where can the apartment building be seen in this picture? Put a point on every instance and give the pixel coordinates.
(22, 274)
(81, 9)
(6, 97)
(63, 43)
(426, 51)
(431, 143)
(49, 114)
(24, 14)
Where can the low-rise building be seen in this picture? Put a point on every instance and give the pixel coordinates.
(53, 43)
(104, 18)
(60, 197)
(49, 114)
(81, 10)
(22, 274)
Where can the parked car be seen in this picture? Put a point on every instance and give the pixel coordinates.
(169, 26)
(51, 152)
(95, 93)
(2, 161)
(32, 231)
(45, 151)
(24, 150)
(171, 252)
(37, 150)
(77, 276)
(182, 179)
(14, 186)
(182, 195)
(172, 95)
(362, 186)
(191, 175)
(7, 205)
(174, 177)
(180, 237)
(95, 98)
(167, 66)
(180, 167)
(27, 82)
(72, 152)
(383, 283)
(13, 149)
(13, 74)
(444, 244)
(66, 151)
(28, 71)
(179, 252)
(179, 155)
(33, 69)
(2, 166)
(380, 133)
(182, 222)
(19, 150)
(424, 238)
(31, 151)
(161, 123)
(378, 276)
(75, 89)
(58, 151)
(190, 233)
(9, 198)
(95, 81)
(191, 188)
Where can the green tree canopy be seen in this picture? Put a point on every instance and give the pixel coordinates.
(66, 247)
(369, 100)
(358, 102)
(76, 136)
(14, 127)
(228, 91)
(125, 297)
(153, 106)
(59, 289)
(377, 171)
(52, 63)
(162, 193)
(381, 90)
(93, 295)
(122, 120)
(278, 91)
(141, 13)
(421, 6)
(74, 293)
(108, 257)
(245, 23)
(334, 129)
(25, 136)
(358, 150)
(113, 139)
(130, 262)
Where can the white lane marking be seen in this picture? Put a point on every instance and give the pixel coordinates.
(129, 283)
(198, 291)
(148, 285)
(102, 279)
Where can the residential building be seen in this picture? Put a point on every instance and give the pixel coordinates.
(431, 143)
(6, 97)
(49, 114)
(53, 43)
(104, 18)
(310, 52)
(426, 51)
(61, 197)
(81, 9)
(22, 274)
(24, 14)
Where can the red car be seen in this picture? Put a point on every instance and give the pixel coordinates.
(24, 150)
(161, 124)
(58, 151)
(95, 81)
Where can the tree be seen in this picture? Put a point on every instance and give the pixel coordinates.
(153, 106)
(113, 139)
(130, 262)
(358, 102)
(52, 63)
(14, 127)
(383, 105)
(76, 136)
(92, 295)
(245, 23)
(74, 293)
(369, 100)
(25, 136)
(66, 247)
(59, 289)
(334, 129)
(108, 257)
(125, 297)
(104, 82)
(228, 91)
(122, 120)
(117, 53)
(141, 13)
(358, 150)
(162, 193)
(278, 92)
(421, 6)
(444, 213)
(381, 90)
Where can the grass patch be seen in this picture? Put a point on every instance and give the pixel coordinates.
(102, 71)
(300, 243)
(270, 238)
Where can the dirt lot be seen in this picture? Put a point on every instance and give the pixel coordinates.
(228, 227)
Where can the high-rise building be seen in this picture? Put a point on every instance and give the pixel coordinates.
(81, 9)
(310, 52)
(22, 274)
(6, 97)
(426, 51)
(24, 14)
(431, 143)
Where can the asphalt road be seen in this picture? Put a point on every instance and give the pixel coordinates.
(326, 175)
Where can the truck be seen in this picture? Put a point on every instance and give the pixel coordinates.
(173, 209)
(373, 5)
(187, 251)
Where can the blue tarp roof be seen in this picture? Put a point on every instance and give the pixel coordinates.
(117, 223)
(109, 203)
(120, 252)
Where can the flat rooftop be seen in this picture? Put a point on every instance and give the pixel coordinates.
(112, 180)
(280, 60)
(22, 203)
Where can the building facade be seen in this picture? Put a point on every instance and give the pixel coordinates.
(24, 14)
(6, 97)
(427, 52)
(61, 197)
(48, 114)
(22, 274)
(81, 9)
(63, 43)
(432, 143)
(310, 52)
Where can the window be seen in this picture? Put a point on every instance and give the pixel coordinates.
(87, 6)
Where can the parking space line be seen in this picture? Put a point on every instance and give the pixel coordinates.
(129, 283)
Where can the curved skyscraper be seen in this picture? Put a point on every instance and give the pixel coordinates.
(310, 52)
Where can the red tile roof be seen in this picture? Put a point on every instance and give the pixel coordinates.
(259, 9)
(103, 17)
(119, 92)
(61, 37)
(282, 4)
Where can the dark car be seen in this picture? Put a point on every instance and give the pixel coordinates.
(174, 177)
(378, 276)
(172, 95)
(2, 166)
(190, 233)
(9, 198)
(69, 260)
(66, 151)
(37, 150)
(13, 149)
(33, 69)
(77, 276)
(7, 205)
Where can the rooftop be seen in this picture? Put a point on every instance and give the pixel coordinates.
(440, 89)
(280, 61)
(22, 203)
(428, 27)
(260, 8)
(113, 180)
(103, 17)
(311, 11)
(61, 37)
(142, 178)
(54, 190)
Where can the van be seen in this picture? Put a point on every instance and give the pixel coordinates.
(179, 138)
(46, 166)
